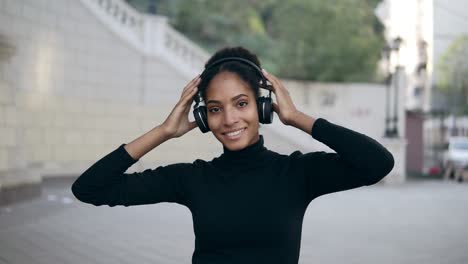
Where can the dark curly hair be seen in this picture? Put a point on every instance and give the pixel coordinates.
(244, 71)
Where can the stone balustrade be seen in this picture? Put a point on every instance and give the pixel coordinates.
(149, 34)
(186, 52)
(123, 14)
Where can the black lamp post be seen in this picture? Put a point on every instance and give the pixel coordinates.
(396, 43)
(388, 82)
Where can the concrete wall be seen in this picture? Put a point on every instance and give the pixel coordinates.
(358, 106)
(72, 91)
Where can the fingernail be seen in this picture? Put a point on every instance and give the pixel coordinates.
(264, 70)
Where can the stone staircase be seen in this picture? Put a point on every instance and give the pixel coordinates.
(149, 34)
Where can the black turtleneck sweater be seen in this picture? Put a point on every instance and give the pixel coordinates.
(247, 206)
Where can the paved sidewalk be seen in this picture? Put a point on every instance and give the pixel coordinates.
(418, 222)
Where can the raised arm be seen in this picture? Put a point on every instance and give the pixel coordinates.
(176, 124)
(106, 183)
(359, 160)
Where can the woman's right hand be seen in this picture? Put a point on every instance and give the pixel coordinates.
(177, 123)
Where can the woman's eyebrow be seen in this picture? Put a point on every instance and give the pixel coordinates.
(232, 99)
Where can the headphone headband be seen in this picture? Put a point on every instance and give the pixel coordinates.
(245, 61)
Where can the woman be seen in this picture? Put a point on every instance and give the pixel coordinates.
(247, 204)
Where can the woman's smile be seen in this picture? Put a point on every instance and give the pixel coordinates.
(234, 134)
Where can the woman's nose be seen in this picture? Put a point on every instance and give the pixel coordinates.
(230, 117)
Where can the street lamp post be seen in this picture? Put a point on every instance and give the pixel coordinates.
(393, 80)
(388, 82)
(396, 43)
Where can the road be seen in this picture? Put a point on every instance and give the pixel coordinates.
(416, 222)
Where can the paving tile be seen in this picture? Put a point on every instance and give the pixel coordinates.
(416, 222)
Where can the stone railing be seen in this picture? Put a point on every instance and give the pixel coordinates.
(121, 18)
(149, 34)
(184, 50)
(124, 14)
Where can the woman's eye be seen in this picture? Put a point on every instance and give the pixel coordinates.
(213, 110)
(242, 104)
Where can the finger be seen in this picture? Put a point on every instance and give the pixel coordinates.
(188, 96)
(191, 83)
(270, 76)
(194, 82)
(266, 74)
(195, 79)
(186, 100)
(274, 81)
(192, 125)
(275, 107)
(189, 88)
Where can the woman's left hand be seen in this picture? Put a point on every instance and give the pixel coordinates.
(284, 105)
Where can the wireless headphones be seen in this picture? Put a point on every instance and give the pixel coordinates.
(264, 104)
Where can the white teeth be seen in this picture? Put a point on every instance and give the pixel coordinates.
(232, 134)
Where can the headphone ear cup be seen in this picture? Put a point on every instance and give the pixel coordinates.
(265, 110)
(199, 113)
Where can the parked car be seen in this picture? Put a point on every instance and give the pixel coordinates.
(456, 156)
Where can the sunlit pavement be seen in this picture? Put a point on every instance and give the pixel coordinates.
(418, 222)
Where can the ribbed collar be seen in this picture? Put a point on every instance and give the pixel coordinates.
(247, 157)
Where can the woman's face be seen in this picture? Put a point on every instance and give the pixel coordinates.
(232, 111)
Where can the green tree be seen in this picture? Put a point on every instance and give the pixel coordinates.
(452, 75)
(337, 40)
(328, 40)
(215, 24)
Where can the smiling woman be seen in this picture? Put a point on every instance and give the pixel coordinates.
(232, 111)
(247, 204)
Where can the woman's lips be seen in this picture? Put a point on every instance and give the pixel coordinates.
(234, 135)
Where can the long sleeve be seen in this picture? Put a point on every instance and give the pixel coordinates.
(359, 160)
(106, 183)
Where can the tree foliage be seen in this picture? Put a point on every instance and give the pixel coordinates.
(337, 40)
(453, 71)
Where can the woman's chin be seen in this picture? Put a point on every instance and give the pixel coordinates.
(234, 145)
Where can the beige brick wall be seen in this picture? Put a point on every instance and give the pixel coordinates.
(73, 91)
